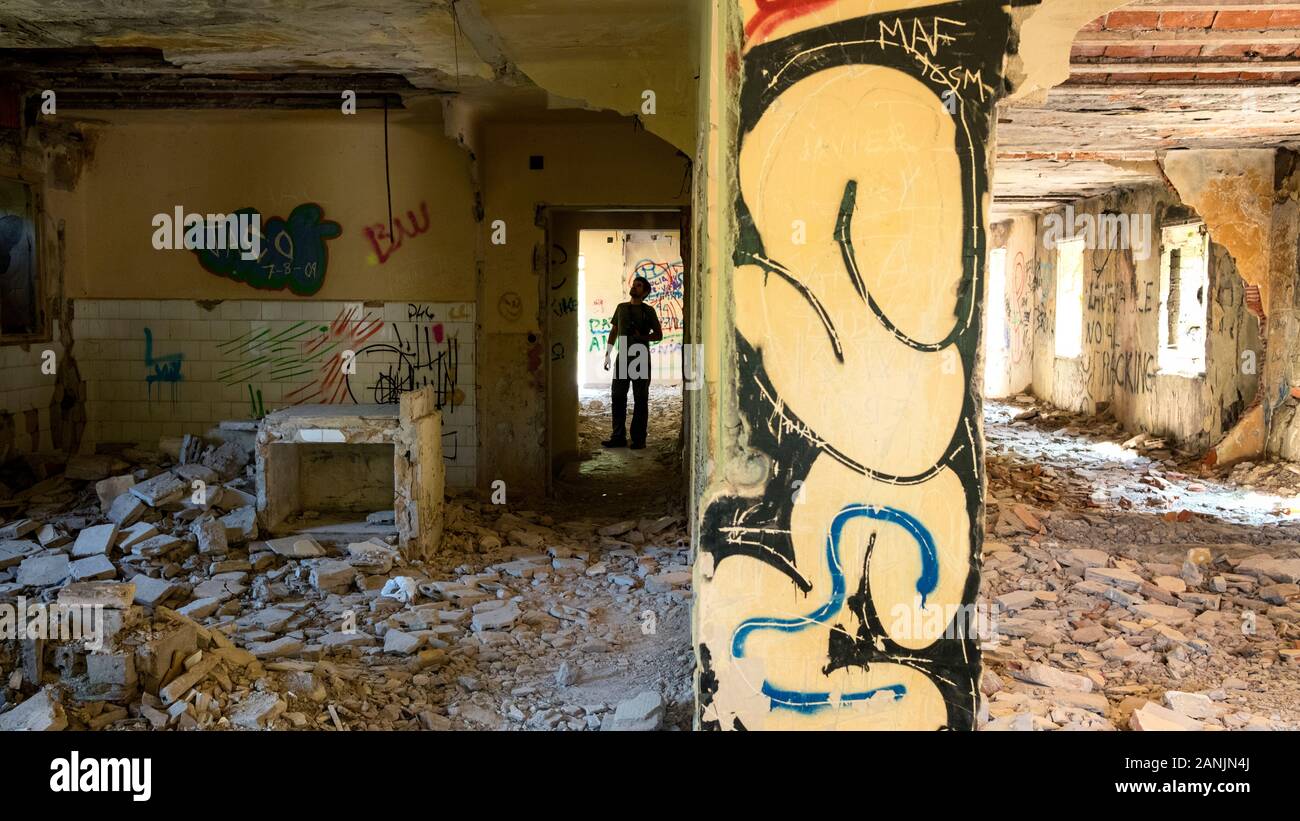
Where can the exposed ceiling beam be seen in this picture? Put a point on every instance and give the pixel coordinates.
(1211, 5)
(1188, 37)
(1163, 66)
(1103, 88)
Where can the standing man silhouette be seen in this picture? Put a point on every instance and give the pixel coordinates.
(634, 327)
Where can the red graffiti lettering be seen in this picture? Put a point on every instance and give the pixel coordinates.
(384, 244)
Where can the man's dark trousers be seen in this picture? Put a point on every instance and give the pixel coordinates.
(640, 409)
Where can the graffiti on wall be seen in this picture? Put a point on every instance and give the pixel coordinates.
(842, 593)
(598, 331)
(164, 369)
(294, 253)
(666, 291)
(384, 244)
(423, 357)
(1020, 328)
(420, 354)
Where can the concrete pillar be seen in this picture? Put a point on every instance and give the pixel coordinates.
(842, 512)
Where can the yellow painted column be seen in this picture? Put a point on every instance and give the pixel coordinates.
(841, 518)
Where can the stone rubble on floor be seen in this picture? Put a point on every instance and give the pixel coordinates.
(209, 627)
(1155, 632)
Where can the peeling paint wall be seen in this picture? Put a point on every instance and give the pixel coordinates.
(1119, 365)
(1010, 367)
(839, 533)
(1282, 370)
(41, 411)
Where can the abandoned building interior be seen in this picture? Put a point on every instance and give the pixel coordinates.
(976, 405)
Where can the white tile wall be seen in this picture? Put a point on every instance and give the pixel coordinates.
(284, 349)
(23, 387)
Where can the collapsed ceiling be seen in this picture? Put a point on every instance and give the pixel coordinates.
(1155, 76)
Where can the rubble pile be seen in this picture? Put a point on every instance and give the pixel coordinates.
(207, 624)
(1105, 611)
(1115, 618)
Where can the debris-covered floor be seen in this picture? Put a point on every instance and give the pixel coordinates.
(562, 617)
(1126, 591)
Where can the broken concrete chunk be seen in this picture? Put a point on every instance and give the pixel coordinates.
(153, 659)
(1283, 570)
(186, 681)
(125, 510)
(1192, 705)
(1172, 584)
(664, 582)
(162, 489)
(227, 459)
(400, 588)
(497, 618)
(1017, 600)
(12, 553)
(257, 709)
(201, 608)
(18, 529)
(296, 547)
(332, 575)
(92, 541)
(1152, 716)
(156, 546)
(274, 619)
(1164, 613)
(52, 536)
(192, 472)
(151, 592)
(1040, 673)
(42, 712)
(92, 567)
(106, 594)
(109, 489)
(241, 525)
(211, 535)
(279, 648)
(44, 571)
(1113, 576)
(233, 498)
(129, 537)
(641, 714)
(616, 529)
(396, 641)
(342, 639)
(1087, 557)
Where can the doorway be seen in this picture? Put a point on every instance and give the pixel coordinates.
(594, 256)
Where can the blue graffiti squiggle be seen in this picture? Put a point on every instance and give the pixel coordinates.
(925, 585)
(805, 702)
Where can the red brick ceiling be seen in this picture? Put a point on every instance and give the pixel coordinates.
(1236, 43)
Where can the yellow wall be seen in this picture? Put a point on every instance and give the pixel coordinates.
(599, 162)
(147, 163)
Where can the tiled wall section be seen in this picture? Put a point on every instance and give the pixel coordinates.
(25, 395)
(169, 367)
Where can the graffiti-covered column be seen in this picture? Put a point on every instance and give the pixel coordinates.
(840, 528)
